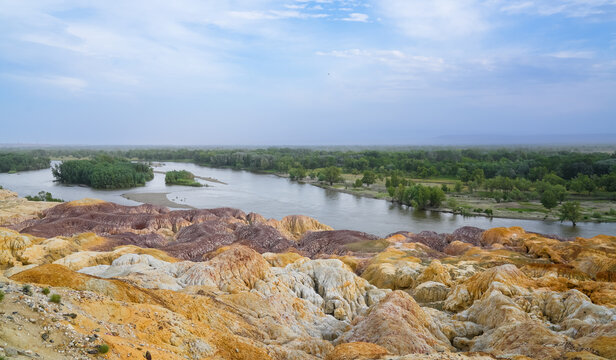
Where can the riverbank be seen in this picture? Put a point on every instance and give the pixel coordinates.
(476, 206)
(159, 199)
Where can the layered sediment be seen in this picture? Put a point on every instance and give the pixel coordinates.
(223, 284)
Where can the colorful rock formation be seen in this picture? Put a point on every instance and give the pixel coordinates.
(222, 284)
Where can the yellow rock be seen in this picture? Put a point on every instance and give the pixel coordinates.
(282, 260)
(293, 226)
(13, 245)
(85, 202)
(435, 272)
(82, 259)
(357, 351)
(14, 209)
(392, 269)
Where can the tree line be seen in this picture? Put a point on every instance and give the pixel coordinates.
(103, 172)
(462, 164)
(23, 161)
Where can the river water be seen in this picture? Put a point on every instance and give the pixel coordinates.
(276, 197)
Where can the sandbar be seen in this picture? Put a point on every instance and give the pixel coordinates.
(159, 199)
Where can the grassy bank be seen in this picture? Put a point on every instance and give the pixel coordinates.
(473, 204)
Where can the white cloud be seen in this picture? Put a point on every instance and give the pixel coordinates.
(356, 17)
(295, 6)
(396, 60)
(275, 15)
(570, 8)
(573, 55)
(68, 83)
(461, 19)
(436, 19)
(112, 46)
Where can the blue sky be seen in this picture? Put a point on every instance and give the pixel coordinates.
(305, 72)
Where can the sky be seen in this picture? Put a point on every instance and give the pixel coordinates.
(306, 72)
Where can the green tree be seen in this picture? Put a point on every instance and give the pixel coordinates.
(478, 177)
(358, 183)
(437, 196)
(537, 173)
(583, 183)
(457, 187)
(549, 199)
(523, 184)
(571, 211)
(608, 182)
(297, 173)
(332, 174)
(418, 196)
(561, 192)
(369, 177)
(554, 179)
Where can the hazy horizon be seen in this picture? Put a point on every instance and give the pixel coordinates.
(308, 72)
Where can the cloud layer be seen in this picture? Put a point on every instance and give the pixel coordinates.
(285, 72)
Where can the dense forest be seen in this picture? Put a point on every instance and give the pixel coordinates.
(22, 161)
(103, 172)
(181, 177)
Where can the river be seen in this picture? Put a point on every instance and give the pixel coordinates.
(276, 197)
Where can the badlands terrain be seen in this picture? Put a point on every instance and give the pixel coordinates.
(151, 283)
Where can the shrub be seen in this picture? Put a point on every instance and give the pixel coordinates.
(465, 212)
(55, 298)
(1, 295)
(517, 195)
(186, 178)
(45, 291)
(43, 196)
(488, 212)
(103, 349)
(27, 290)
(452, 203)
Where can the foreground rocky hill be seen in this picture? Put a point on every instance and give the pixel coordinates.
(14, 209)
(147, 282)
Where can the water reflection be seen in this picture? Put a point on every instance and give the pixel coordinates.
(331, 194)
(277, 197)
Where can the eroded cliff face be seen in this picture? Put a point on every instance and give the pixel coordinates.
(221, 284)
(14, 209)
